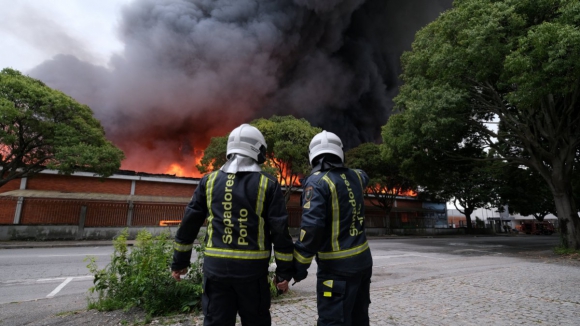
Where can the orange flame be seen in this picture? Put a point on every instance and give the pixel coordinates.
(285, 175)
(180, 170)
(407, 193)
(176, 169)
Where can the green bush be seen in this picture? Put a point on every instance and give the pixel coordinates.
(141, 278)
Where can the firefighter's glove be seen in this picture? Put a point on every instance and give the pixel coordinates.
(300, 275)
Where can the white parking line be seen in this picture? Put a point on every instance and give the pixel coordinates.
(64, 278)
(58, 288)
(63, 284)
(404, 255)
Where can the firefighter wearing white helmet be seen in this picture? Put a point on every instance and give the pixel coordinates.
(246, 214)
(332, 231)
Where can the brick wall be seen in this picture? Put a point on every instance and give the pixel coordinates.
(409, 203)
(151, 214)
(150, 188)
(50, 211)
(7, 209)
(11, 185)
(106, 214)
(63, 183)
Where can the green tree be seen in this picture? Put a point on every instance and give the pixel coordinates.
(445, 171)
(43, 128)
(288, 139)
(287, 154)
(525, 192)
(385, 180)
(516, 62)
(214, 155)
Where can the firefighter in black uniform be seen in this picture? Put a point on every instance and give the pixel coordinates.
(332, 230)
(246, 213)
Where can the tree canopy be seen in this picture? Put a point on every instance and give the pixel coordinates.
(514, 63)
(287, 153)
(42, 128)
(385, 179)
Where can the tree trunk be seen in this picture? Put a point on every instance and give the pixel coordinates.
(387, 222)
(467, 212)
(568, 220)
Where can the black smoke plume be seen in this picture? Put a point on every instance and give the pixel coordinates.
(193, 69)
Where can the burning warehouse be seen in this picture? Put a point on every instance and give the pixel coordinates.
(50, 206)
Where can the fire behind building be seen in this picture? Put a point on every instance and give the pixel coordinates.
(82, 206)
(192, 70)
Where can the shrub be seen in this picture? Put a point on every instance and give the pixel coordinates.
(141, 278)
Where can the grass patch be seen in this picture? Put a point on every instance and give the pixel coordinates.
(567, 252)
(560, 250)
(66, 313)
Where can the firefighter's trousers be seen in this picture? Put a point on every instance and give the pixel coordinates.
(221, 301)
(343, 300)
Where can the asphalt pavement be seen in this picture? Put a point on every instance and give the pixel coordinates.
(534, 289)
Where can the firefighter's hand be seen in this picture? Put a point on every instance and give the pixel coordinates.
(299, 276)
(177, 274)
(281, 284)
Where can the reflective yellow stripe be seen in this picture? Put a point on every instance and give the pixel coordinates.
(359, 179)
(283, 256)
(237, 254)
(335, 214)
(344, 253)
(182, 247)
(301, 259)
(260, 209)
(209, 194)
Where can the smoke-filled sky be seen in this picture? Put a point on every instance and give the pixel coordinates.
(164, 76)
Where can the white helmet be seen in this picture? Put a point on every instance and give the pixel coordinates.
(325, 142)
(249, 141)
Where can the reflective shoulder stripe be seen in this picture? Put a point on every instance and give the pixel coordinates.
(209, 196)
(359, 179)
(182, 247)
(335, 214)
(301, 259)
(260, 208)
(344, 253)
(237, 254)
(283, 256)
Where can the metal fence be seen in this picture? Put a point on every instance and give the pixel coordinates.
(102, 214)
(44, 211)
(37, 211)
(152, 214)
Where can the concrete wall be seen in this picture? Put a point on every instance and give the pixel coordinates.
(429, 232)
(71, 232)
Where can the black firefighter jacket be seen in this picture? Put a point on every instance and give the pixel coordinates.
(332, 229)
(246, 214)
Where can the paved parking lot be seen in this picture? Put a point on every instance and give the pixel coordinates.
(525, 294)
(416, 281)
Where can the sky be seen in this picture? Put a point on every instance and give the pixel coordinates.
(32, 31)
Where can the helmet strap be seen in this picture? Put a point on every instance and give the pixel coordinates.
(262, 155)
